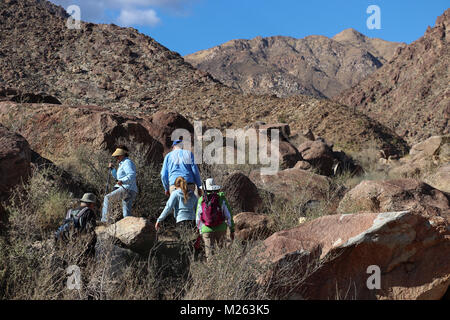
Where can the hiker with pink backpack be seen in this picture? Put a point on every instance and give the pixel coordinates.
(213, 216)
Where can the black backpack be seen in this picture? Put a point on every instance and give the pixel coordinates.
(76, 220)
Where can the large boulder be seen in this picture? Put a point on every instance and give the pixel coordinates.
(333, 257)
(115, 259)
(163, 124)
(57, 131)
(136, 234)
(423, 157)
(440, 179)
(319, 155)
(395, 195)
(291, 183)
(15, 158)
(242, 194)
(433, 146)
(252, 226)
(289, 155)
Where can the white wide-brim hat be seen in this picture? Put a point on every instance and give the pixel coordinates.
(210, 185)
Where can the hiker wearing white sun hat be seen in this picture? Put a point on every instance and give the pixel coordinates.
(210, 185)
(213, 216)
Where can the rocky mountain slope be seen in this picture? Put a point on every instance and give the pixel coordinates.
(126, 71)
(411, 93)
(285, 66)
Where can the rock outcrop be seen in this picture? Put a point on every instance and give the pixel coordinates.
(55, 131)
(252, 226)
(242, 194)
(424, 158)
(341, 256)
(395, 195)
(440, 179)
(15, 159)
(319, 155)
(293, 183)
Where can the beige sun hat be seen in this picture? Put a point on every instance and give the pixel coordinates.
(89, 198)
(119, 152)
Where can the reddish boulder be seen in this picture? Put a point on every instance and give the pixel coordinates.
(163, 124)
(395, 195)
(319, 155)
(289, 155)
(332, 257)
(252, 226)
(15, 157)
(242, 194)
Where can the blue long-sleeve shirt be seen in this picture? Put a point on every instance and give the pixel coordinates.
(180, 163)
(126, 172)
(183, 211)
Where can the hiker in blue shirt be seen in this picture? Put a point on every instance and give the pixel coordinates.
(183, 202)
(126, 187)
(180, 163)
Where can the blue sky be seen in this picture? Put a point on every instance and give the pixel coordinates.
(187, 26)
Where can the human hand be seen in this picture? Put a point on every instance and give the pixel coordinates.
(110, 165)
(167, 193)
(200, 192)
(120, 183)
(156, 225)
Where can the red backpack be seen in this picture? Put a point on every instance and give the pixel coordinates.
(212, 214)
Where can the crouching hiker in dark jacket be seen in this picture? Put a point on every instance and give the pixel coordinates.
(80, 221)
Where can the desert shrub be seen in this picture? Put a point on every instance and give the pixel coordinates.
(289, 212)
(40, 202)
(231, 274)
(243, 272)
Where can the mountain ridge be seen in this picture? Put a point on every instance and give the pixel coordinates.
(410, 94)
(285, 66)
